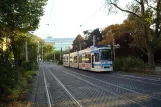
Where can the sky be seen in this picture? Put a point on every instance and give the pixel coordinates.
(63, 18)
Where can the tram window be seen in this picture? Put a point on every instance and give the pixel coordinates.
(86, 58)
(96, 57)
(70, 59)
(89, 58)
(67, 59)
(80, 59)
(83, 59)
(75, 59)
(105, 54)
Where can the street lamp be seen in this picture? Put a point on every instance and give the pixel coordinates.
(26, 48)
(114, 47)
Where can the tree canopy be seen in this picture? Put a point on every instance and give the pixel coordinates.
(17, 18)
(148, 13)
(78, 43)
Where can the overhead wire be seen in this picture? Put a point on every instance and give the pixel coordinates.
(92, 15)
(51, 11)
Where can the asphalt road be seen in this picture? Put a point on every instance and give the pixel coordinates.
(58, 86)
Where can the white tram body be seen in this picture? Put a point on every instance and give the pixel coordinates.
(95, 58)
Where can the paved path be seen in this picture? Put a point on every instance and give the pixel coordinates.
(58, 86)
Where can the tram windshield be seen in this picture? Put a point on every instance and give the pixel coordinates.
(105, 54)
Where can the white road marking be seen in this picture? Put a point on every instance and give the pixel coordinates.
(65, 89)
(134, 80)
(113, 84)
(142, 78)
(47, 92)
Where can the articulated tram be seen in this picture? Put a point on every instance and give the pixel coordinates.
(95, 58)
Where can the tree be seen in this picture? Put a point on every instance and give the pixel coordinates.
(48, 48)
(19, 16)
(98, 37)
(148, 13)
(109, 33)
(33, 47)
(78, 43)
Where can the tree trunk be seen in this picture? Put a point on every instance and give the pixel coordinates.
(151, 56)
(14, 52)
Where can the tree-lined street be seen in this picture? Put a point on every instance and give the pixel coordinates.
(59, 86)
(134, 47)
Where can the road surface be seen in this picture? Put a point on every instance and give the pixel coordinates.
(58, 86)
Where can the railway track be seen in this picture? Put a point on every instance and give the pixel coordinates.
(66, 87)
(58, 99)
(133, 96)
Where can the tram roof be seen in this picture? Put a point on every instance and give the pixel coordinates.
(89, 49)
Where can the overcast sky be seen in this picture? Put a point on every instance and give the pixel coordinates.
(67, 16)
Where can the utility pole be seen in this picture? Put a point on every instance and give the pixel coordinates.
(42, 54)
(80, 47)
(113, 49)
(61, 51)
(54, 51)
(37, 51)
(94, 40)
(26, 50)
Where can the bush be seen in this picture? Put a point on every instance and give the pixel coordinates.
(13, 82)
(129, 63)
(35, 66)
(21, 85)
(27, 65)
(117, 64)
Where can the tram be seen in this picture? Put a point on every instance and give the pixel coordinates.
(96, 58)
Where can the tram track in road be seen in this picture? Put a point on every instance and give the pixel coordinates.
(66, 90)
(132, 91)
(103, 89)
(47, 91)
(56, 92)
(144, 83)
(156, 81)
(114, 85)
(105, 97)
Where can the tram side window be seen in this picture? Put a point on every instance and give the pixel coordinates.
(96, 57)
(80, 59)
(71, 59)
(89, 58)
(83, 59)
(67, 59)
(75, 59)
(86, 58)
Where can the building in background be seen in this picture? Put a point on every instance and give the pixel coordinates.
(59, 43)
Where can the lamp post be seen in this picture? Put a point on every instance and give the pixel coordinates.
(26, 51)
(42, 54)
(61, 52)
(114, 47)
(37, 51)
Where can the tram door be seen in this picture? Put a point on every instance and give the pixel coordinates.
(92, 61)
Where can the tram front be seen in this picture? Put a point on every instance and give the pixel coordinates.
(106, 59)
